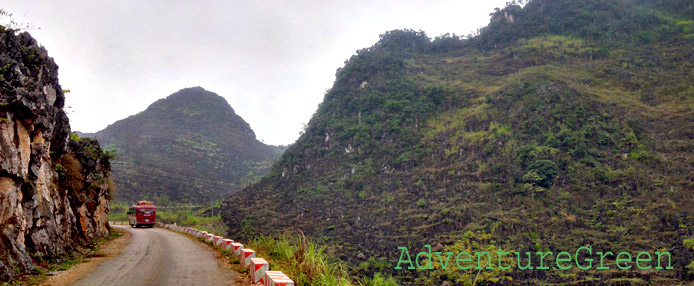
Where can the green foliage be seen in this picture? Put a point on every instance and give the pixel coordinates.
(404, 41)
(543, 171)
(472, 243)
(594, 19)
(118, 212)
(560, 123)
(74, 136)
(689, 243)
(301, 259)
(380, 280)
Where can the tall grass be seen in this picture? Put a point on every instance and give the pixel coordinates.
(307, 263)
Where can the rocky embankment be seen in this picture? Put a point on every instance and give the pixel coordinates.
(54, 191)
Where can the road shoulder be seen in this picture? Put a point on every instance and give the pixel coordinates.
(108, 250)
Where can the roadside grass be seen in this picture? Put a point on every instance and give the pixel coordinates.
(118, 212)
(195, 219)
(45, 266)
(307, 263)
(303, 260)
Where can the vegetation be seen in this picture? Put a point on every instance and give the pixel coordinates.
(48, 265)
(562, 124)
(302, 259)
(7, 21)
(202, 218)
(307, 263)
(471, 243)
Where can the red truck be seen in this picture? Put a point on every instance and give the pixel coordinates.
(143, 213)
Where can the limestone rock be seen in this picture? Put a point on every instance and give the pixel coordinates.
(41, 216)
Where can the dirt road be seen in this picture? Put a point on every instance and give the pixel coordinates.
(160, 257)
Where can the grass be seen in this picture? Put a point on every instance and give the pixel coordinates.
(307, 263)
(304, 261)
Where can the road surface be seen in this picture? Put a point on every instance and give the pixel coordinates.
(157, 256)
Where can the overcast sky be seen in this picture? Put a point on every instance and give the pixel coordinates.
(271, 60)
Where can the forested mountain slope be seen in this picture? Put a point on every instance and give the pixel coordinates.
(187, 148)
(562, 124)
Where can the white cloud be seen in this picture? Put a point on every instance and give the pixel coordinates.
(271, 60)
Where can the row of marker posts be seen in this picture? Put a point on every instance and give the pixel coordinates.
(259, 268)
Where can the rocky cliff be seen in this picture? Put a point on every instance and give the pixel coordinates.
(54, 193)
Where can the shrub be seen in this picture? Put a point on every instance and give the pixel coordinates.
(545, 171)
(69, 172)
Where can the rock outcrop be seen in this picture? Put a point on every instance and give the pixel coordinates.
(54, 193)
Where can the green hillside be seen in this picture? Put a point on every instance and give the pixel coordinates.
(187, 148)
(562, 124)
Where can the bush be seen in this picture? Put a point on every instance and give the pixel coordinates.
(544, 171)
(69, 172)
(689, 243)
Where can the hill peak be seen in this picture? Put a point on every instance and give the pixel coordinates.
(194, 97)
(192, 125)
(193, 92)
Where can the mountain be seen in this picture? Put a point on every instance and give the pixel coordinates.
(561, 124)
(190, 147)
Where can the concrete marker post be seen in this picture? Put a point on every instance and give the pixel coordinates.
(237, 249)
(267, 281)
(246, 255)
(226, 244)
(281, 281)
(217, 240)
(257, 269)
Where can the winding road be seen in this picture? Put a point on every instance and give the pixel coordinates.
(157, 256)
